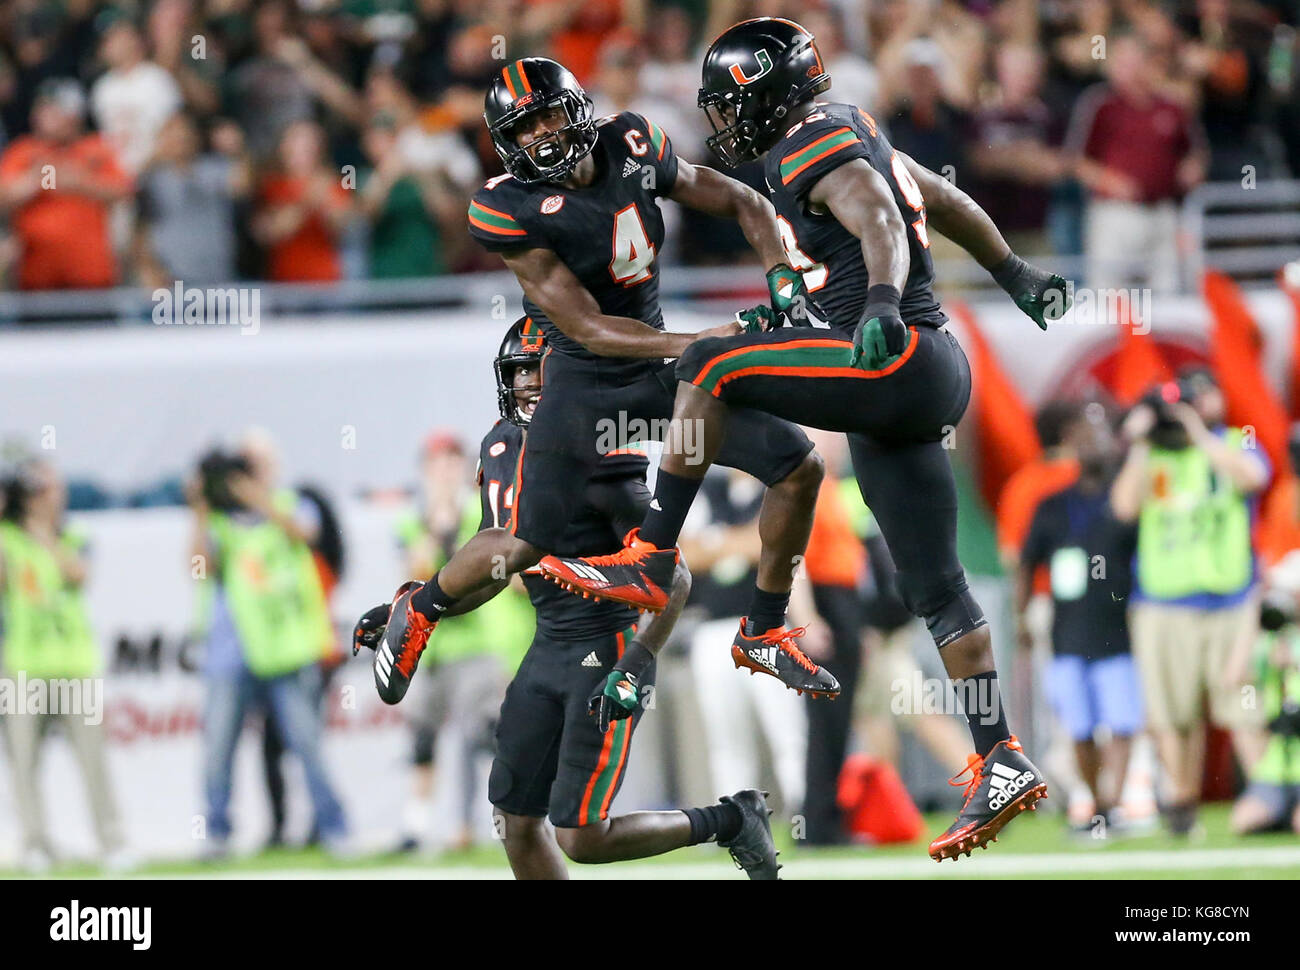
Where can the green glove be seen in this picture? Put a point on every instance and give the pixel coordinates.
(757, 319)
(791, 304)
(881, 335)
(1041, 295)
(616, 699)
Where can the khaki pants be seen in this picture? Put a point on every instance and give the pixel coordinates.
(1183, 652)
(26, 734)
(1128, 243)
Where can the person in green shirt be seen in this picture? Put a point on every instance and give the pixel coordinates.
(48, 641)
(1271, 800)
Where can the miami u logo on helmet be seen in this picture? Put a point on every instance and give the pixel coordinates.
(764, 65)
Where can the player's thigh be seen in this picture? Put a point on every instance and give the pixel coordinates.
(762, 445)
(910, 490)
(553, 470)
(592, 763)
(528, 734)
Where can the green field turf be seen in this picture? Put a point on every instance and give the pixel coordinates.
(1036, 846)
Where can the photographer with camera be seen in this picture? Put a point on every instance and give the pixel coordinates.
(1190, 482)
(267, 625)
(1271, 800)
(47, 639)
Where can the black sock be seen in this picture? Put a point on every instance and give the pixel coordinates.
(430, 600)
(766, 611)
(667, 512)
(984, 711)
(720, 822)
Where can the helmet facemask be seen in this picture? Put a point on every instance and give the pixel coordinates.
(553, 157)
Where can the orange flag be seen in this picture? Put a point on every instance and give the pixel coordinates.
(1235, 352)
(1140, 364)
(1007, 437)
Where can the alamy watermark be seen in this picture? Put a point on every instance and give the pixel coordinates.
(685, 438)
(76, 697)
(939, 695)
(1101, 306)
(215, 306)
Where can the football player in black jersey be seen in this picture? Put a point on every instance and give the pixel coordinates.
(576, 218)
(566, 724)
(855, 216)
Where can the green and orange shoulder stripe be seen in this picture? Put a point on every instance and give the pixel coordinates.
(819, 148)
(494, 221)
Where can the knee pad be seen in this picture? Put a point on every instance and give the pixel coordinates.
(949, 613)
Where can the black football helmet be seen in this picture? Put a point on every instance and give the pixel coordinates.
(522, 344)
(523, 88)
(755, 73)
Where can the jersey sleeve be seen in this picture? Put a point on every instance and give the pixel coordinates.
(659, 154)
(820, 147)
(495, 220)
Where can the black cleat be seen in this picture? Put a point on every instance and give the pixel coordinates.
(753, 849)
(398, 642)
(774, 653)
(1001, 786)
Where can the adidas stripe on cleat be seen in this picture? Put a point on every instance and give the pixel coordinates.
(775, 653)
(639, 575)
(1001, 786)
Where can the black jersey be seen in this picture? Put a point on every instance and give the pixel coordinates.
(608, 233)
(615, 501)
(828, 255)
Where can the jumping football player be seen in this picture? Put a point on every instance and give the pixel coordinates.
(854, 215)
(577, 219)
(566, 724)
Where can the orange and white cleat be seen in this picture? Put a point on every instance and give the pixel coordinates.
(1001, 786)
(639, 575)
(776, 654)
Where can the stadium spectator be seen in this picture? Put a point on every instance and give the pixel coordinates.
(171, 28)
(408, 210)
(133, 99)
(304, 209)
(1054, 470)
(187, 200)
(453, 703)
(1091, 682)
(921, 119)
(1137, 153)
(266, 627)
(721, 543)
(1189, 482)
(1013, 151)
(47, 638)
(57, 186)
(855, 80)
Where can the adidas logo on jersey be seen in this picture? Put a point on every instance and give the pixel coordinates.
(1005, 784)
(591, 660)
(630, 167)
(764, 655)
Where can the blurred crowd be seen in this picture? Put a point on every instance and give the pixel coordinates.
(212, 140)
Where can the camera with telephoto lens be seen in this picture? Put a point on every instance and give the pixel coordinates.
(1168, 432)
(215, 469)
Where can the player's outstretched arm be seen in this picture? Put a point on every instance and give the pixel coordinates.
(571, 307)
(862, 202)
(708, 190)
(1041, 295)
(620, 694)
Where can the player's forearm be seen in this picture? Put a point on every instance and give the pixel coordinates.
(607, 336)
(471, 602)
(884, 249)
(956, 215)
(657, 632)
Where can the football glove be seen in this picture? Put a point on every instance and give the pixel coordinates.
(881, 334)
(369, 631)
(792, 306)
(1041, 295)
(617, 698)
(757, 319)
